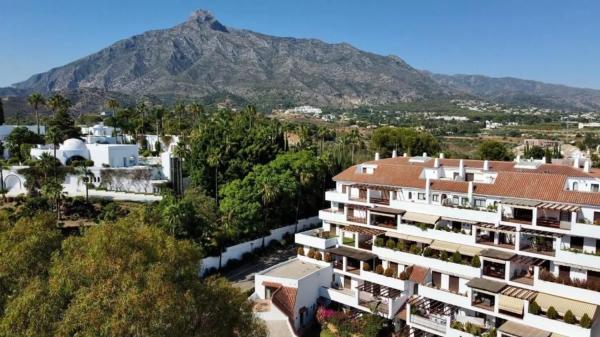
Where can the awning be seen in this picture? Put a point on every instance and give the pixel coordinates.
(408, 237)
(363, 230)
(520, 293)
(469, 250)
(511, 304)
(420, 217)
(351, 253)
(445, 246)
(487, 285)
(562, 305)
(520, 202)
(497, 254)
(559, 207)
(520, 330)
(494, 228)
(387, 210)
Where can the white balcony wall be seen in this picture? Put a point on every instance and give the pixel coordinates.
(383, 280)
(326, 215)
(428, 325)
(556, 326)
(445, 296)
(587, 230)
(308, 239)
(451, 212)
(579, 259)
(435, 264)
(336, 196)
(579, 294)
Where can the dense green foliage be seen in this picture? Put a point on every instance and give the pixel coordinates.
(123, 279)
(20, 141)
(492, 150)
(414, 143)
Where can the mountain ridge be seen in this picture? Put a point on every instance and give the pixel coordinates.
(202, 58)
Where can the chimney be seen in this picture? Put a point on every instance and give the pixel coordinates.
(394, 154)
(486, 165)
(376, 155)
(405, 155)
(436, 163)
(576, 162)
(470, 192)
(424, 154)
(586, 166)
(461, 168)
(518, 159)
(427, 188)
(544, 160)
(441, 155)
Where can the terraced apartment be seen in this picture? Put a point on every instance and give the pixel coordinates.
(447, 247)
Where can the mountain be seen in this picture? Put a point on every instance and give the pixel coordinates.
(205, 60)
(514, 91)
(202, 58)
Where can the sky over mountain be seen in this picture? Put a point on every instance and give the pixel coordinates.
(540, 40)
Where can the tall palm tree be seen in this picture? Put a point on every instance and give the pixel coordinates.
(197, 110)
(57, 102)
(36, 100)
(3, 166)
(85, 175)
(179, 112)
(214, 160)
(269, 193)
(141, 110)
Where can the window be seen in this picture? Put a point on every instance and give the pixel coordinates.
(421, 196)
(595, 187)
(576, 242)
(479, 202)
(364, 170)
(575, 186)
(565, 216)
(435, 197)
(436, 279)
(470, 176)
(409, 195)
(596, 218)
(455, 200)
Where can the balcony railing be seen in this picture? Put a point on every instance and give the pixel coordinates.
(432, 322)
(355, 219)
(380, 201)
(553, 223)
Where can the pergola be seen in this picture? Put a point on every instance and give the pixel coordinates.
(379, 290)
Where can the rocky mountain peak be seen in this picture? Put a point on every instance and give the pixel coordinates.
(203, 17)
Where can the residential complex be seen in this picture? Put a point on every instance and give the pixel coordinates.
(447, 247)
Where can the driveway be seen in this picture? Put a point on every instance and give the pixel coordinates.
(243, 276)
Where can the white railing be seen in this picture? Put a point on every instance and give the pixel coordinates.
(310, 239)
(431, 323)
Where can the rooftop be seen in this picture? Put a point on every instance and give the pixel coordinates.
(292, 269)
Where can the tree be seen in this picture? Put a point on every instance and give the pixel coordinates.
(36, 100)
(386, 139)
(3, 166)
(61, 119)
(18, 141)
(114, 279)
(492, 150)
(536, 152)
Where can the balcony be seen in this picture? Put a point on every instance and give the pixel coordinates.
(361, 220)
(553, 223)
(336, 196)
(483, 301)
(316, 238)
(332, 215)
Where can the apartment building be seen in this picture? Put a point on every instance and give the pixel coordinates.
(447, 247)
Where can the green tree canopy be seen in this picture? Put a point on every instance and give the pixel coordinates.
(19, 142)
(492, 150)
(385, 140)
(126, 279)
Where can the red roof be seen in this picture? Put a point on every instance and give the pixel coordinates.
(547, 182)
(285, 299)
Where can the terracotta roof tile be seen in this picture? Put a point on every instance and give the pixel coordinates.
(418, 274)
(285, 299)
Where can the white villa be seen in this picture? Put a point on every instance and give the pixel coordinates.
(447, 247)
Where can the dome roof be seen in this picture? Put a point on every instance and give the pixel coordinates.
(73, 144)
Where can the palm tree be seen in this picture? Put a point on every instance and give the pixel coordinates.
(269, 193)
(197, 110)
(85, 176)
(53, 190)
(35, 100)
(179, 111)
(57, 102)
(142, 109)
(214, 160)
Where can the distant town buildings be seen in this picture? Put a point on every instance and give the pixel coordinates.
(588, 125)
(305, 109)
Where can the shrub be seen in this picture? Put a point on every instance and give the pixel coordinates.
(400, 245)
(301, 251)
(428, 252)
(569, 317)
(414, 249)
(475, 262)
(390, 244)
(311, 253)
(443, 255)
(586, 321)
(468, 326)
(475, 330)
(456, 257)
(327, 257)
(552, 313)
(318, 256)
(404, 275)
(366, 266)
(389, 272)
(457, 325)
(379, 242)
(534, 308)
(379, 269)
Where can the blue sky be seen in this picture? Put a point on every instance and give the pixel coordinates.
(551, 41)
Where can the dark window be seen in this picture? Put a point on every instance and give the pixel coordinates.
(409, 195)
(436, 279)
(596, 218)
(564, 272)
(479, 202)
(595, 187)
(470, 177)
(421, 196)
(593, 276)
(453, 285)
(364, 170)
(565, 216)
(435, 197)
(343, 188)
(576, 242)
(597, 246)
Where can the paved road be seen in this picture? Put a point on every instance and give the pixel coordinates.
(243, 276)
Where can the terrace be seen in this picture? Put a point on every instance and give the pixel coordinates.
(523, 268)
(385, 217)
(518, 211)
(538, 242)
(555, 215)
(501, 236)
(430, 313)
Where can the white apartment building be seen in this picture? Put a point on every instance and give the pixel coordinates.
(447, 247)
